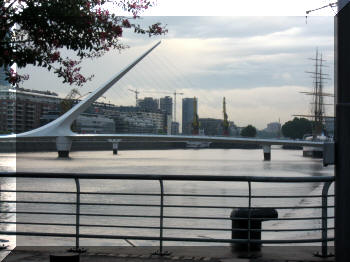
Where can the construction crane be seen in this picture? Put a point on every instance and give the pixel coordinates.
(225, 123)
(136, 94)
(331, 5)
(164, 92)
(68, 102)
(195, 122)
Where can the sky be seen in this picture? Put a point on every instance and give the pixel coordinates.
(257, 60)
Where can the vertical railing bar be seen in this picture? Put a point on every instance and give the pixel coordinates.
(161, 217)
(77, 216)
(324, 248)
(249, 213)
(324, 218)
(1, 206)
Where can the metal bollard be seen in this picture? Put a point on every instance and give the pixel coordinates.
(240, 226)
(65, 258)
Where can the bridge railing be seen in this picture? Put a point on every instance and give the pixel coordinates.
(158, 209)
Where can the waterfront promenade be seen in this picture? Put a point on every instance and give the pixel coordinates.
(183, 254)
(195, 162)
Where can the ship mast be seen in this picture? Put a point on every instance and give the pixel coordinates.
(318, 106)
(318, 109)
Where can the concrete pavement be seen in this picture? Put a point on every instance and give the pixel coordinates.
(180, 254)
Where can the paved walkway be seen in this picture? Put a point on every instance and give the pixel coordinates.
(183, 254)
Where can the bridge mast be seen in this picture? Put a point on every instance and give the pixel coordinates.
(61, 127)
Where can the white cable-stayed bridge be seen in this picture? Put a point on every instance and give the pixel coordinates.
(60, 129)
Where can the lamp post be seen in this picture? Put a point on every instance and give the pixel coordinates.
(342, 132)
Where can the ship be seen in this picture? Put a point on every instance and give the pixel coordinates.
(318, 116)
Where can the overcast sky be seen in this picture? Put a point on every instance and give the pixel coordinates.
(257, 62)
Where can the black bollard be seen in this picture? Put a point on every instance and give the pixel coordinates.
(240, 221)
(65, 258)
(63, 154)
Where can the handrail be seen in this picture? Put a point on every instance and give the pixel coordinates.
(170, 177)
(162, 216)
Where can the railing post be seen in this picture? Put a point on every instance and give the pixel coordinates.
(324, 250)
(1, 207)
(249, 213)
(77, 216)
(161, 216)
(161, 221)
(77, 219)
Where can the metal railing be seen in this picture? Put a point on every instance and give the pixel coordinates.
(168, 223)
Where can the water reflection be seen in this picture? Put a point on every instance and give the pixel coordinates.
(172, 162)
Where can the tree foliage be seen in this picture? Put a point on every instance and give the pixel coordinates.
(35, 32)
(248, 131)
(297, 128)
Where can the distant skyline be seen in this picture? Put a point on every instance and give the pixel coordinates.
(257, 62)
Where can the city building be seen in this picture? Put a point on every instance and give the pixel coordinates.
(3, 82)
(175, 128)
(21, 109)
(273, 128)
(166, 105)
(211, 126)
(187, 115)
(139, 122)
(94, 124)
(214, 127)
(148, 104)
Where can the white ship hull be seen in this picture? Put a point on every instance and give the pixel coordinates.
(316, 152)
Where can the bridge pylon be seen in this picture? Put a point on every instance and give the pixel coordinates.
(63, 146)
(267, 152)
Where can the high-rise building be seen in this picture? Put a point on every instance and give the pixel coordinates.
(148, 104)
(166, 105)
(21, 109)
(174, 128)
(3, 83)
(187, 115)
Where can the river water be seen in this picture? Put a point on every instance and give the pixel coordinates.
(228, 162)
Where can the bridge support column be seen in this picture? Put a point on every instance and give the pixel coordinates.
(267, 152)
(63, 146)
(115, 148)
(115, 143)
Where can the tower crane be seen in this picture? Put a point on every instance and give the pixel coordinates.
(136, 94)
(331, 5)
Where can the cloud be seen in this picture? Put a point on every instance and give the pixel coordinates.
(257, 106)
(258, 63)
